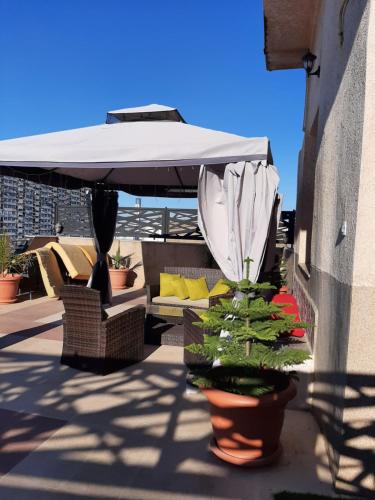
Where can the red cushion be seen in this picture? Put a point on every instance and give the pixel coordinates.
(291, 308)
(284, 298)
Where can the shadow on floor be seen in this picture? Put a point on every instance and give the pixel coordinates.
(20, 335)
(350, 435)
(130, 434)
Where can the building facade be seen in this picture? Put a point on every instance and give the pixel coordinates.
(28, 208)
(333, 266)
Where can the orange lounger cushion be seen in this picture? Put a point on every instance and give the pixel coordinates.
(75, 261)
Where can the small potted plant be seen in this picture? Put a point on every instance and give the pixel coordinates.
(283, 272)
(247, 384)
(119, 271)
(11, 268)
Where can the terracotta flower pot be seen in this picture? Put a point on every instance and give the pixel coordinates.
(283, 289)
(9, 285)
(118, 278)
(246, 429)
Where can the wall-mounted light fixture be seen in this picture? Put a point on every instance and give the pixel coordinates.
(308, 63)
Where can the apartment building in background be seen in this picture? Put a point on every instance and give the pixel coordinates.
(28, 208)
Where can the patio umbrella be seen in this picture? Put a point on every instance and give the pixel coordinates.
(144, 151)
(150, 150)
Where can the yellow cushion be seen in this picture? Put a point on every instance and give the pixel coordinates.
(197, 288)
(180, 289)
(219, 288)
(167, 288)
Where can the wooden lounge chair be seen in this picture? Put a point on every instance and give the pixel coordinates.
(94, 343)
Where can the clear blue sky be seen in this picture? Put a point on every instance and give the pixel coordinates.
(64, 63)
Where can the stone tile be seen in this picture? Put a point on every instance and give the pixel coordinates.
(20, 434)
(131, 434)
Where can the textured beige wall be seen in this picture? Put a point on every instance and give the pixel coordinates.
(364, 272)
(341, 284)
(339, 96)
(359, 417)
(72, 240)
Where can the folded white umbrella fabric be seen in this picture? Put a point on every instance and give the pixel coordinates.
(235, 207)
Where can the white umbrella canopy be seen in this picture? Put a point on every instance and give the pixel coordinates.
(144, 113)
(144, 150)
(150, 150)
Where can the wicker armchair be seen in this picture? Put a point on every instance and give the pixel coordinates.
(193, 335)
(99, 345)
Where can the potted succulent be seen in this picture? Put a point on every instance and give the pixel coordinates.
(120, 269)
(11, 268)
(247, 384)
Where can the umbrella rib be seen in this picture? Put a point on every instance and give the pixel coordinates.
(179, 177)
(20, 171)
(107, 175)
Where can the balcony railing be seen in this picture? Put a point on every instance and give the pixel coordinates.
(153, 223)
(135, 223)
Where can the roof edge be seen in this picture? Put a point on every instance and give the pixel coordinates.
(289, 31)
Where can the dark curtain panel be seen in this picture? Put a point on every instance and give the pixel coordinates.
(104, 207)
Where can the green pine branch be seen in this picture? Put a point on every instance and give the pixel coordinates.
(250, 353)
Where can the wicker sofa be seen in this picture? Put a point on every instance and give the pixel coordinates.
(211, 275)
(193, 335)
(96, 344)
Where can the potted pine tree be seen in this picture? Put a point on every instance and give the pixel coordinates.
(11, 268)
(247, 384)
(119, 271)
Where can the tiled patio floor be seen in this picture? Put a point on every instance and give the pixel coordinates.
(133, 434)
